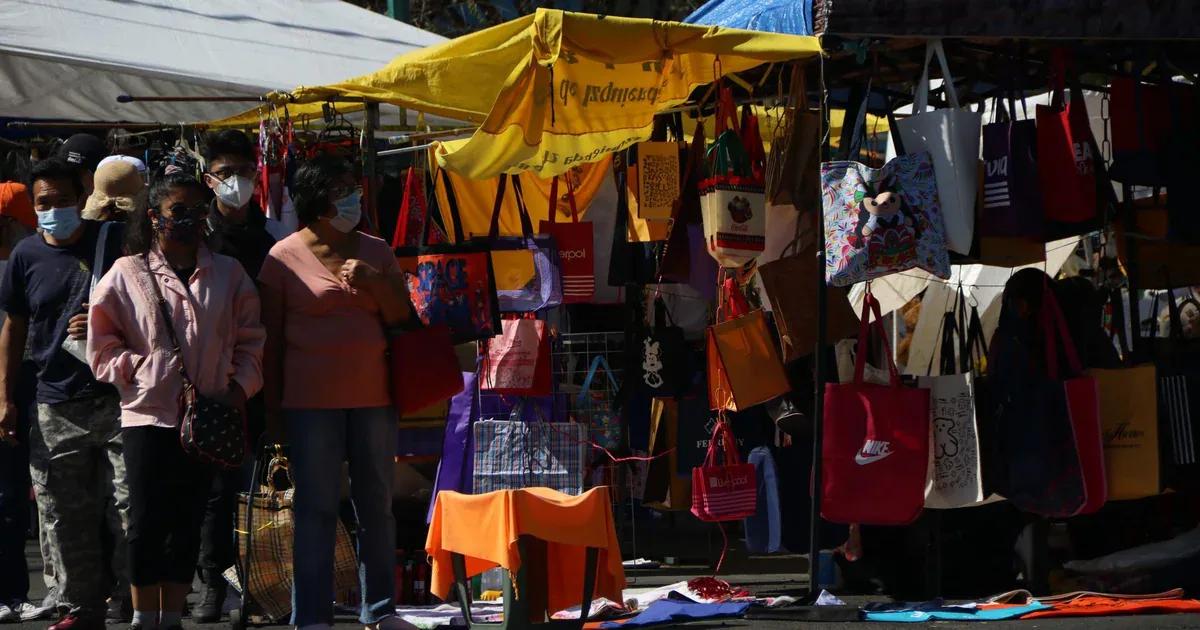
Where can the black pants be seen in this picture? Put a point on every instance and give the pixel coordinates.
(167, 494)
(14, 493)
(216, 537)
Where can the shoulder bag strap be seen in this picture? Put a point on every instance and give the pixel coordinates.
(165, 310)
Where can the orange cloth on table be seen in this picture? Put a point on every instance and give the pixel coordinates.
(1100, 606)
(484, 528)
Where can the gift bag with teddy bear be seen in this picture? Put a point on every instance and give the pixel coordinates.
(882, 221)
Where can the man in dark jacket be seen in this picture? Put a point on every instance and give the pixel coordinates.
(238, 229)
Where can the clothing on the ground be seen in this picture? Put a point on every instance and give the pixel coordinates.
(14, 493)
(167, 494)
(215, 316)
(937, 610)
(75, 448)
(666, 611)
(248, 242)
(1104, 606)
(334, 344)
(48, 285)
(321, 439)
(485, 528)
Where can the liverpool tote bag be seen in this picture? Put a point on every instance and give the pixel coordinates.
(576, 250)
(951, 137)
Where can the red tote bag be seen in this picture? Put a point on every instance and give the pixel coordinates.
(1066, 157)
(1083, 404)
(576, 251)
(728, 491)
(517, 362)
(424, 368)
(875, 451)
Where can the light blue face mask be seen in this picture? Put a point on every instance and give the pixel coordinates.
(349, 212)
(59, 223)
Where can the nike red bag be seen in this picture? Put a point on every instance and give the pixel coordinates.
(724, 492)
(1066, 158)
(875, 451)
(575, 248)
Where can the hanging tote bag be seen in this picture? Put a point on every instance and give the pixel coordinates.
(791, 285)
(526, 267)
(595, 408)
(666, 367)
(1012, 198)
(796, 151)
(1083, 405)
(743, 367)
(1178, 361)
(452, 284)
(458, 451)
(1129, 420)
(517, 362)
(957, 479)
(880, 221)
(423, 368)
(1067, 163)
(734, 199)
(577, 260)
(667, 490)
(764, 528)
(875, 448)
(726, 491)
(630, 262)
(951, 137)
(513, 454)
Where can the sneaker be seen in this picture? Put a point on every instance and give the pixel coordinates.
(30, 612)
(392, 622)
(73, 621)
(7, 614)
(120, 610)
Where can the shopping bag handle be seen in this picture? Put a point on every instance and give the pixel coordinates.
(522, 211)
(553, 211)
(722, 432)
(921, 96)
(871, 305)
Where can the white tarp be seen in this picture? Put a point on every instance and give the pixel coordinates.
(70, 59)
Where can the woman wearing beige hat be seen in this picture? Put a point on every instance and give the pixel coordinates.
(120, 190)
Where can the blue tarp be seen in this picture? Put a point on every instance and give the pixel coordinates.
(791, 17)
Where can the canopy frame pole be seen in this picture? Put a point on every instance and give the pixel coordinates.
(129, 98)
(105, 124)
(814, 522)
(370, 189)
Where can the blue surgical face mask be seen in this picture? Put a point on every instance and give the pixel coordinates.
(59, 223)
(349, 212)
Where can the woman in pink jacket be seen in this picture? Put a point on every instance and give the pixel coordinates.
(214, 310)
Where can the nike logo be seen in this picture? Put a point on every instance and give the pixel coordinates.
(872, 451)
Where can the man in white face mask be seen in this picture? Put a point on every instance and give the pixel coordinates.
(239, 229)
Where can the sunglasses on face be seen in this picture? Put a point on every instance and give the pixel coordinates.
(184, 210)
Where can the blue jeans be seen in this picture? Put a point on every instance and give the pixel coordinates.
(321, 439)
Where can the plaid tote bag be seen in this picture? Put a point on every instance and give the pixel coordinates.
(511, 454)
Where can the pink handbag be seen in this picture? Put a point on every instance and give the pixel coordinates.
(726, 492)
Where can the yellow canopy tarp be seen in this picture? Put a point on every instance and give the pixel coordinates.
(554, 89)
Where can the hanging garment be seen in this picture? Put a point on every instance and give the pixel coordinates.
(875, 449)
(951, 138)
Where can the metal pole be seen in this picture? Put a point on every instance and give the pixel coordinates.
(814, 521)
(109, 124)
(368, 162)
(127, 98)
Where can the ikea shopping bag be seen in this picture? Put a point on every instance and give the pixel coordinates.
(951, 137)
(875, 451)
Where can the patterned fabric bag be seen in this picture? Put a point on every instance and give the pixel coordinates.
(880, 221)
(733, 197)
(511, 454)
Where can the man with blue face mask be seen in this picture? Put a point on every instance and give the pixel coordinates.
(76, 440)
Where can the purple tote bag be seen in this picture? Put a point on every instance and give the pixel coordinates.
(1012, 199)
(458, 448)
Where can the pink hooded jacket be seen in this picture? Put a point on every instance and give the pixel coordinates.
(216, 317)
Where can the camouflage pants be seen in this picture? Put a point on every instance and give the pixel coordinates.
(78, 472)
